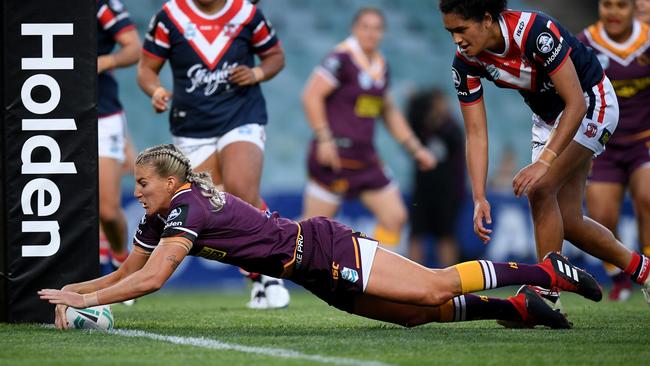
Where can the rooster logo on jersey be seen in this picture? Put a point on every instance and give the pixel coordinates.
(545, 43)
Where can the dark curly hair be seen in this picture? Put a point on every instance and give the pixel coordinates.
(473, 9)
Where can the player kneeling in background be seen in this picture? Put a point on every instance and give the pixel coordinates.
(343, 268)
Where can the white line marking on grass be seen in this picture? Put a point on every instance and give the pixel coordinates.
(266, 351)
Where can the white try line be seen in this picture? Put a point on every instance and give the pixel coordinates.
(266, 351)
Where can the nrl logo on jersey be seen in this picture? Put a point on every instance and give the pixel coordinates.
(202, 77)
(174, 214)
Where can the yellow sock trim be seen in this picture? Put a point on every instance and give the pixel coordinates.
(447, 311)
(387, 237)
(471, 276)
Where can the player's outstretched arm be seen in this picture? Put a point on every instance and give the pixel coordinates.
(476, 142)
(163, 262)
(134, 262)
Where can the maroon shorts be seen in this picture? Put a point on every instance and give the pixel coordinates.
(355, 177)
(330, 263)
(619, 161)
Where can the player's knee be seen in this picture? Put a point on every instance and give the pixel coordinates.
(542, 191)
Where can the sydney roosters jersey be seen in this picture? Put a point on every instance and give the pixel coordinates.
(202, 50)
(112, 19)
(629, 75)
(238, 233)
(536, 46)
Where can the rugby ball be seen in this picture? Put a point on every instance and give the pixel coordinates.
(96, 317)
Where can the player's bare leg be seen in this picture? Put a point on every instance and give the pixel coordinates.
(388, 208)
(211, 165)
(241, 170)
(313, 205)
(641, 198)
(604, 206)
(111, 215)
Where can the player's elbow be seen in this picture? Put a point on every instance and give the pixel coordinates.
(151, 284)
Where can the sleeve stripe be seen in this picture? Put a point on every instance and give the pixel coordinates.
(259, 26)
(265, 40)
(186, 230)
(151, 54)
(143, 244)
(466, 104)
(161, 43)
(320, 70)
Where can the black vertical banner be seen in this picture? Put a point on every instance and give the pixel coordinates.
(49, 155)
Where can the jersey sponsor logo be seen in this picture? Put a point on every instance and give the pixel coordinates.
(455, 77)
(368, 106)
(553, 56)
(202, 77)
(299, 250)
(520, 27)
(211, 254)
(177, 216)
(335, 270)
(545, 42)
(349, 274)
(604, 137)
(591, 130)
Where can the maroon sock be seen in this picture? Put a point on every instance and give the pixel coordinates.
(473, 307)
(497, 274)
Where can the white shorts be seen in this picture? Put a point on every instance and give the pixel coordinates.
(367, 250)
(111, 136)
(199, 150)
(596, 128)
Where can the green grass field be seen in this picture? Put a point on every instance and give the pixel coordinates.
(310, 332)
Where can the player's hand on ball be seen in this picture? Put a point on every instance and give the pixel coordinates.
(482, 216)
(62, 298)
(160, 99)
(60, 319)
(527, 177)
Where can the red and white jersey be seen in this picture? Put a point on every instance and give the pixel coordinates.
(202, 49)
(535, 47)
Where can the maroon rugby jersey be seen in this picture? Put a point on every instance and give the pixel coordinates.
(238, 234)
(629, 76)
(358, 98)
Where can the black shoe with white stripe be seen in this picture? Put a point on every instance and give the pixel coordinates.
(567, 277)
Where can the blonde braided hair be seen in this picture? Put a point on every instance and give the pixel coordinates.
(168, 160)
